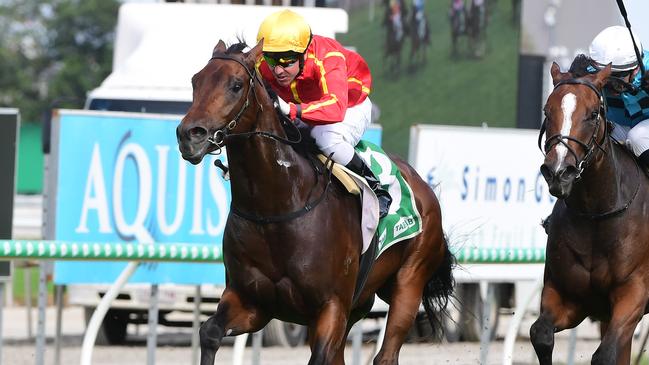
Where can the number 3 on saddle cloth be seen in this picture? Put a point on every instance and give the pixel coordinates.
(403, 220)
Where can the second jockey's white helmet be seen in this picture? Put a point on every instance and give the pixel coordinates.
(614, 45)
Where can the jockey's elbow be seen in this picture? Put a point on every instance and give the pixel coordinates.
(339, 115)
(339, 110)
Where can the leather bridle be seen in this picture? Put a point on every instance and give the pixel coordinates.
(592, 144)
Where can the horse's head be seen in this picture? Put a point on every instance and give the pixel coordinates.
(224, 98)
(575, 126)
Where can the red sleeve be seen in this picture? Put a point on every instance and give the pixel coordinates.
(331, 107)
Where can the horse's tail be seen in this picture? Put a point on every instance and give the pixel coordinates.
(438, 291)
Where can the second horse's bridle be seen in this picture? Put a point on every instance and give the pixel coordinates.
(592, 144)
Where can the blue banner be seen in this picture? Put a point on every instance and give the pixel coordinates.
(120, 178)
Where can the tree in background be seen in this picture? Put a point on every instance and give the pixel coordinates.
(54, 52)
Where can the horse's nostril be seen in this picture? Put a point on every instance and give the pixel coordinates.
(546, 172)
(197, 133)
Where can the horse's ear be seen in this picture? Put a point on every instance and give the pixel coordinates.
(219, 48)
(253, 55)
(601, 78)
(556, 73)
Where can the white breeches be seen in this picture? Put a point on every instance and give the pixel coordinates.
(340, 138)
(636, 138)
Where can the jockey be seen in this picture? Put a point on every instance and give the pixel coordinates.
(418, 15)
(457, 5)
(629, 112)
(396, 8)
(325, 85)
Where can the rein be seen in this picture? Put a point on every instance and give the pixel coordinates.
(295, 214)
(221, 135)
(589, 148)
(620, 209)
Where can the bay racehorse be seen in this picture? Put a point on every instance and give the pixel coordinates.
(597, 255)
(292, 241)
(419, 30)
(457, 17)
(476, 27)
(396, 30)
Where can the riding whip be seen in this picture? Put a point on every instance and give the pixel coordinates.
(620, 5)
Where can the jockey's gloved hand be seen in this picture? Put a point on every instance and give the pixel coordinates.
(283, 106)
(618, 85)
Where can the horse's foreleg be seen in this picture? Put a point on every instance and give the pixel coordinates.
(628, 303)
(327, 334)
(232, 318)
(542, 337)
(556, 315)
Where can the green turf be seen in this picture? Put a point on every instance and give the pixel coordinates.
(445, 90)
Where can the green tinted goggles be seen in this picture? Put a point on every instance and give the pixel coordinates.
(280, 61)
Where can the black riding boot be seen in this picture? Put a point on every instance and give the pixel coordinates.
(359, 167)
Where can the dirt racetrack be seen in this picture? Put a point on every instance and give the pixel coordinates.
(174, 346)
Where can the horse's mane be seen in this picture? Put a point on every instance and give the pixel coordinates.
(581, 66)
(236, 47)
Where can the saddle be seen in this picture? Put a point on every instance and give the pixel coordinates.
(342, 174)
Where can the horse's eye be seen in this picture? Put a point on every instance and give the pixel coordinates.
(594, 115)
(237, 86)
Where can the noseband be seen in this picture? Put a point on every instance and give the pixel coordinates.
(592, 143)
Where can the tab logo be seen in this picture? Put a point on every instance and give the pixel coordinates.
(403, 225)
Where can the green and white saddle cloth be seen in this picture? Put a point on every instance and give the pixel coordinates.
(403, 220)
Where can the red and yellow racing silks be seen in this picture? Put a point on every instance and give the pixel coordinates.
(332, 80)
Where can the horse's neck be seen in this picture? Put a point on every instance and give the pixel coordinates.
(265, 171)
(606, 184)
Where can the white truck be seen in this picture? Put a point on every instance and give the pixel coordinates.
(158, 47)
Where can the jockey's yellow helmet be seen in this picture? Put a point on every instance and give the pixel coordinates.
(284, 31)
